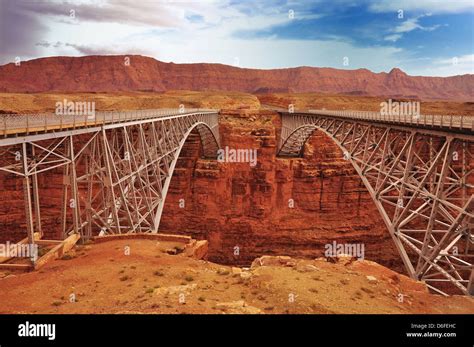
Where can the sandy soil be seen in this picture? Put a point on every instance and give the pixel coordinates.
(104, 279)
(363, 103)
(45, 102)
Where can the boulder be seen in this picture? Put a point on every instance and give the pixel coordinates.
(268, 260)
(245, 275)
(305, 267)
(238, 307)
(185, 289)
(371, 279)
(197, 249)
(236, 271)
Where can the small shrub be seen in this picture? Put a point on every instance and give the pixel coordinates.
(67, 256)
(223, 272)
(367, 290)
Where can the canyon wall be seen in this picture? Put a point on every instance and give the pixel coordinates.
(138, 73)
(247, 209)
(13, 225)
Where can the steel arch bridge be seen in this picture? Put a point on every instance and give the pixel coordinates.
(419, 172)
(116, 167)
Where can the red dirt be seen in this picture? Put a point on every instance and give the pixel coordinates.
(105, 280)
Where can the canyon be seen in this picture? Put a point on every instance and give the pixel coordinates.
(280, 206)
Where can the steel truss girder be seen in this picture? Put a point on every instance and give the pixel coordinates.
(422, 183)
(115, 177)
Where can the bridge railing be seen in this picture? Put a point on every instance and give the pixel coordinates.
(442, 121)
(42, 122)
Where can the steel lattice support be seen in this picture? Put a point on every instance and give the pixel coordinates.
(422, 182)
(115, 177)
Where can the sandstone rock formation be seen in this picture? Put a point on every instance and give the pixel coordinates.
(244, 212)
(113, 73)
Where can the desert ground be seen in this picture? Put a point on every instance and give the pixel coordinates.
(103, 278)
(45, 102)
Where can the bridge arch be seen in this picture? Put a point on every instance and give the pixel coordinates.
(293, 145)
(210, 146)
(421, 181)
(140, 184)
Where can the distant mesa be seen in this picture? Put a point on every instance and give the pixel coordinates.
(112, 74)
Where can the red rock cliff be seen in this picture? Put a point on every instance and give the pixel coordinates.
(111, 73)
(235, 205)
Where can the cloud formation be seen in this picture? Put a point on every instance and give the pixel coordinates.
(260, 34)
(431, 6)
(409, 25)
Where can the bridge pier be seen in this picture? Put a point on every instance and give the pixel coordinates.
(27, 198)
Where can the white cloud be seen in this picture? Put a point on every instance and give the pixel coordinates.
(449, 66)
(408, 26)
(393, 37)
(433, 6)
(140, 13)
(268, 53)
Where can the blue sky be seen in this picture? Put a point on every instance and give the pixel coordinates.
(422, 37)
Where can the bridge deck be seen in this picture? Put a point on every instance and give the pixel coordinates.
(442, 122)
(25, 124)
(13, 124)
